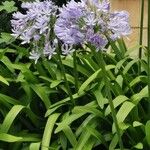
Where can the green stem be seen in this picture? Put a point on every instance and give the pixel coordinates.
(75, 71)
(116, 49)
(148, 48)
(108, 85)
(65, 78)
(141, 35)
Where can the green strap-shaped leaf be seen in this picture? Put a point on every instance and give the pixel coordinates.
(120, 64)
(28, 137)
(137, 124)
(97, 135)
(92, 77)
(63, 140)
(35, 146)
(2, 79)
(70, 135)
(83, 124)
(137, 97)
(119, 80)
(139, 146)
(89, 63)
(9, 138)
(48, 131)
(113, 143)
(129, 65)
(101, 100)
(88, 109)
(7, 63)
(147, 131)
(89, 144)
(64, 101)
(10, 117)
(135, 81)
(117, 101)
(68, 121)
(51, 110)
(84, 137)
(81, 69)
(41, 92)
(6, 37)
(124, 110)
(55, 83)
(7, 99)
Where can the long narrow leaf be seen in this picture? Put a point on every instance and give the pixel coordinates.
(9, 138)
(3, 80)
(10, 117)
(48, 131)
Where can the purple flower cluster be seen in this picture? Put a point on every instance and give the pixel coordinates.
(119, 24)
(87, 21)
(34, 26)
(66, 27)
(91, 21)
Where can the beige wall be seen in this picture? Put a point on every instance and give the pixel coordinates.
(133, 7)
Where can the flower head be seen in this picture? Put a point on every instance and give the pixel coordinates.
(35, 55)
(90, 21)
(66, 27)
(119, 24)
(34, 26)
(49, 49)
(67, 49)
(99, 5)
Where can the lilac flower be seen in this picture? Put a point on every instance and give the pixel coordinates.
(42, 24)
(67, 49)
(34, 27)
(37, 16)
(90, 21)
(49, 49)
(96, 39)
(104, 6)
(75, 21)
(25, 37)
(119, 24)
(87, 21)
(66, 27)
(35, 55)
(36, 37)
(100, 5)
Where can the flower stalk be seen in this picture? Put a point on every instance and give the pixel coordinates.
(141, 34)
(64, 75)
(108, 85)
(75, 71)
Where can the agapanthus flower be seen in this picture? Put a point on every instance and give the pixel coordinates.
(87, 21)
(119, 24)
(99, 41)
(37, 18)
(34, 55)
(50, 49)
(34, 25)
(66, 27)
(91, 21)
(67, 49)
(99, 5)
